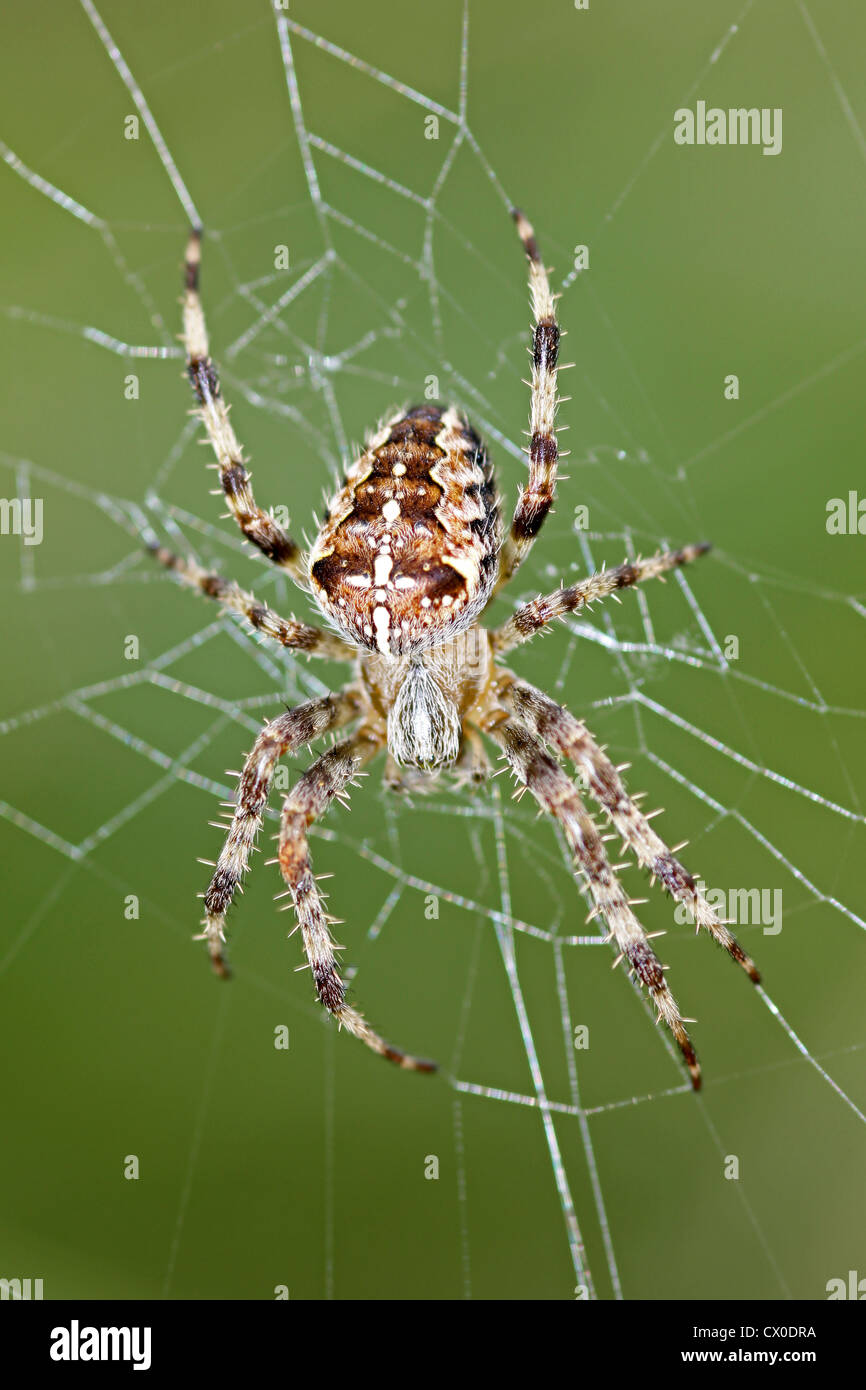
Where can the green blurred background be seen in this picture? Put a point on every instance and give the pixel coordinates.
(305, 1168)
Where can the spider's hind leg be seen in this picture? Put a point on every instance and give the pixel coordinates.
(258, 526)
(536, 500)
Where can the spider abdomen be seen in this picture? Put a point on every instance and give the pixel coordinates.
(408, 551)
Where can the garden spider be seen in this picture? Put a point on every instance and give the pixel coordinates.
(405, 563)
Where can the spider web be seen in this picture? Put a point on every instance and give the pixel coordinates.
(560, 1168)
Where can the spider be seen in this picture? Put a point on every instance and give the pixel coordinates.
(407, 559)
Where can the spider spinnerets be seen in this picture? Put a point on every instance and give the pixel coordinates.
(408, 557)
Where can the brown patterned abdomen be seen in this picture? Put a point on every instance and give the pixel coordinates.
(407, 554)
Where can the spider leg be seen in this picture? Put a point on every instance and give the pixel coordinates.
(258, 526)
(393, 777)
(306, 802)
(530, 618)
(557, 795)
(313, 641)
(535, 502)
(402, 781)
(558, 727)
(282, 735)
(473, 765)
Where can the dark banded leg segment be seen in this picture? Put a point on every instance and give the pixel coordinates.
(258, 526)
(536, 499)
(558, 727)
(557, 795)
(532, 617)
(306, 802)
(283, 735)
(299, 637)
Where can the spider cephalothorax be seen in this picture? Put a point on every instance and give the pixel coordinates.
(407, 559)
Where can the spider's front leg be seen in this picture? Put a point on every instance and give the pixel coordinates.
(472, 767)
(557, 795)
(558, 727)
(306, 802)
(283, 735)
(258, 526)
